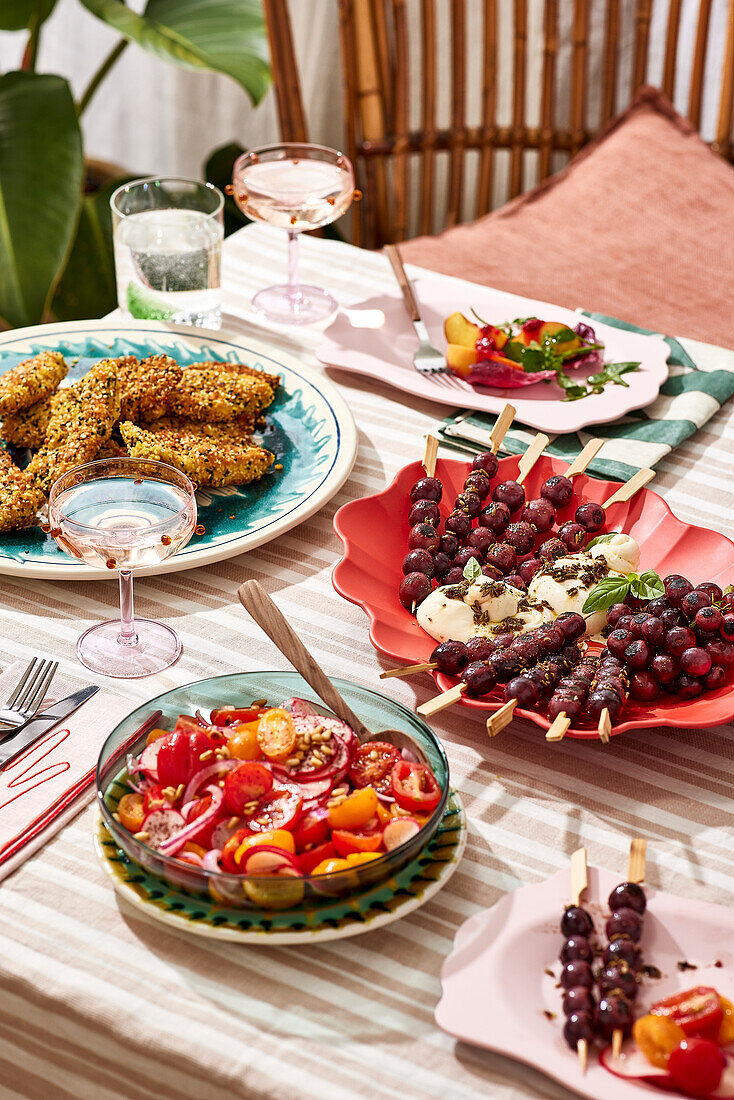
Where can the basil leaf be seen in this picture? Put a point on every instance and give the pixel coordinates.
(647, 586)
(472, 570)
(600, 538)
(729, 588)
(561, 337)
(608, 591)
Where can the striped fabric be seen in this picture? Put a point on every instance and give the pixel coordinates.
(96, 1003)
(701, 379)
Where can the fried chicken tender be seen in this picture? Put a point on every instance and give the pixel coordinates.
(212, 394)
(208, 459)
(28, 427)
(19, 498)
(273, 380)
(146, 387)
(79, 426)
(31, 381)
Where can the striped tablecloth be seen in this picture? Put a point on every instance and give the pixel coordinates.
(98, 1003)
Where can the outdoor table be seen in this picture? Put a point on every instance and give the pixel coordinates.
(97, 1002)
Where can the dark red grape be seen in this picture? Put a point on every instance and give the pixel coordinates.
(715, 678)
(578, 999)
(413, 589)
(678, 639)
(502, 556)
(552, 549)
(479, 678)
(579, 1026)
(653, 631)
(510, 493)
(479, 648)
(522, 689)
(441, 562)
(572, 535)
(676, 587)
(721, 651)
(709, 618)
(637, 623)
(486, 461)
(623, 949)
(551, 637)
(576, 972)
(658, 605)
(464, 556)
(618, 641)
(727, 625)
(626, 622)
(481, 537)
(714, 590)
(615, 613)
(450, 657)
(572, 624)
(602, 699)
(576, 921)
(492, 572)
(672, 617)
(528, 569)
(613, 1013)
(419, 561)
(426, 488)
(687, 687)
(479, 482)
(613, 680)
(727, 601)
(643, 686)
(618, 978)
(568, 705)
(638, 654)
(628, 895)
(424, 511)
(576, 947)
(521, 536)
(665, 668)
(540, 513)
(558, 490)
(624, 922)
(590, 516)
(506, 665)
(496, 517)
(693, 602)
(423, 537)
(459, 523)
(695, 661)
(455, 575)
(468, 502)
(449, 544)
(516, 581)
(502, 641)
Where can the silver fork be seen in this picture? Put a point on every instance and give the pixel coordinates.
(427, 359)
(29, 693)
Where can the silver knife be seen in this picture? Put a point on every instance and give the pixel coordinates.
(51, 717)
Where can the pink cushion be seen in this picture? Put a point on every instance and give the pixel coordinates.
(640, 225)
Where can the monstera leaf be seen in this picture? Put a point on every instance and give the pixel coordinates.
(226, 36)
(16, 15)
(41, 173)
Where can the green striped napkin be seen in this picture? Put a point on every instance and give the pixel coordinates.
(701, 379)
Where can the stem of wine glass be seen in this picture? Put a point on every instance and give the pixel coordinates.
(292, 262)
(127, 614)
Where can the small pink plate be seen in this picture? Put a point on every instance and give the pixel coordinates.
(376, 338)
(495, 990)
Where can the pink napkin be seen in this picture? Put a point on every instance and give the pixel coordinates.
(50, 781)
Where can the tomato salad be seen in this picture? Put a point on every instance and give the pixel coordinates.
(273, 791)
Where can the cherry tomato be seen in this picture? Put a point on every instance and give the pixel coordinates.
(355, 810)
(330, 867)
(696, 1066)
(280, 810)
(367, 839)
(233, 716)
(248, 782)
(698, 1011)
(362, 857)
(185, 723)
(155, 799)
(373, 764)
(227, 860)
(242, 742)
(276, 838)
(155, 735)
(197, 810)
(179, 757)
(276, 734)
(312, 829)
(726, 1031)
(415, 787)
(310, 859)
(131, 812)
(656, 1037)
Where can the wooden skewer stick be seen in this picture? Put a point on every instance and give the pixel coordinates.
(440, 702)
(579, 884)
(635, 873)
(501, 718)
(501, 427)
(408, 670)
(557, 730)
(430, 454)
(531, 456)
(605, 726)
(582, 460)
(628, 490)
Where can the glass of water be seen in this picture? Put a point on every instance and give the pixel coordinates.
(167, 237)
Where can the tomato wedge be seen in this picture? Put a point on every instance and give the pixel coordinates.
(131, 812)
(697, 1011)
(415, 787)
(179, 757)
(276, 734)
(235, 716)
(373, 764)
(280, 810)
(310, 859)
(312, 829)
(248, 782)
(366, 839)
(228, 861)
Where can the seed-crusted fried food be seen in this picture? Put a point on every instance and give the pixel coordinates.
(146, 387)
(233, 431)
(28, 427)
(31, 381)
(79, 428)
(19, 498)
(273, 380)
(211, 395)
(207, 460)
(111, 449)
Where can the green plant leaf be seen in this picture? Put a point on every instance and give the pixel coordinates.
(41, 174)
(472, 570)
(218, 170)
(87, 287)
(16, 15)
(601, 538)
(647, 585)
(224, 36)
(608, 591)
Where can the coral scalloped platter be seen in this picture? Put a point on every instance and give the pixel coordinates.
(370, 572)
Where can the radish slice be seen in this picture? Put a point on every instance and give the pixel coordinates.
(149, 759)
(633, 1064)
(197, 781)
(162, 826)
(725, 1091)
(297, 707)
(223, 831)
(266, 859)
(173, 844)
(398, 831)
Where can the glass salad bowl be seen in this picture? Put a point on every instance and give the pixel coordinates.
(248, 891)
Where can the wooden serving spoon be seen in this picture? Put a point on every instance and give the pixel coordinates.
(271, 620)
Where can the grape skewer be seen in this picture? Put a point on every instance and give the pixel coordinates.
(576, 922)
(576, 687)
(556, 488)
(628, 891)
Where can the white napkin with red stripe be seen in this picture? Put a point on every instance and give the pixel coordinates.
(53, 779)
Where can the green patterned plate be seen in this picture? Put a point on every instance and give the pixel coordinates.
(333, 919)
(309, 428)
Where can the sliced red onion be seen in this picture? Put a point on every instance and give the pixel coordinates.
(266, 859)
(210, 862)
(173, 844)
(388, 798)
(206, 773)
(222, 831)
(132, 764)
(191, 857)
(409, 755)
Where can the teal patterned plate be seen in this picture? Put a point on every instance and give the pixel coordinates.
(332, 919)
(310, 430)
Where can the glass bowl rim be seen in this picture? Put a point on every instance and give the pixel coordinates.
(304, 145)
(226, 876)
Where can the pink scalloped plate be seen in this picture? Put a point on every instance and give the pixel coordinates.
(374, 531)
(496, 993)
